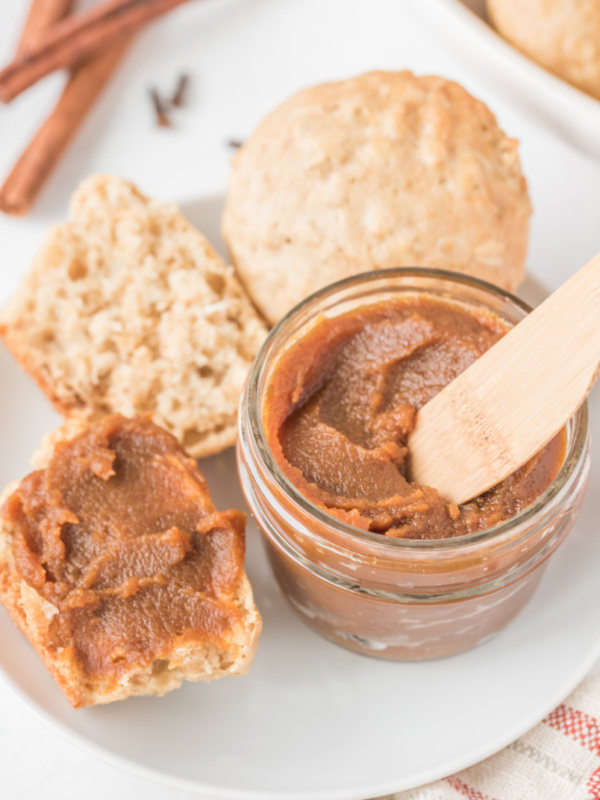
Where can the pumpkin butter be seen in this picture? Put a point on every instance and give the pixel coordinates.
(341, 402)
(119, 533)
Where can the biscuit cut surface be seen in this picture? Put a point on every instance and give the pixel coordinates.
(383, 170)
(127, 308)
(561, 35)
(131, 612)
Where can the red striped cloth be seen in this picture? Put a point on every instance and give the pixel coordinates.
(558, 760)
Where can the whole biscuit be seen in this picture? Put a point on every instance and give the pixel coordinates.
(383, 170)
(561, 35)
(201, 653)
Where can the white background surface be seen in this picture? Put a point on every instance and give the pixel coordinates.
(245, 56)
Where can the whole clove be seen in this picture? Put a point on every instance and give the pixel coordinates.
(180, 96)
(160, 109)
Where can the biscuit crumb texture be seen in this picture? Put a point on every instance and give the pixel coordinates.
(127, 308)
(383, 170)
(561, 35)
(192, 661)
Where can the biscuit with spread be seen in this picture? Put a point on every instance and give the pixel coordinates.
(118, 568)
(383, 170)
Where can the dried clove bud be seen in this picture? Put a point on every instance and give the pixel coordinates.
(160, 110)
(180, 96)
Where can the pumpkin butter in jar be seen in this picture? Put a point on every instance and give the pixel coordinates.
(367, 557)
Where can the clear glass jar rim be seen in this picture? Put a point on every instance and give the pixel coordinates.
(575, 452)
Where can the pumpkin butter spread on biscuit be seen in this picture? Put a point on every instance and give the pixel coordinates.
(119, 569)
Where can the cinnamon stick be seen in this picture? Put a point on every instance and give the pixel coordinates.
(43, 14)
(17, 194)
(28, 176)
(31, 171)
(76, 38)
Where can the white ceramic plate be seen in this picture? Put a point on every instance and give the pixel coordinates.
(311, 720)
(465, 28)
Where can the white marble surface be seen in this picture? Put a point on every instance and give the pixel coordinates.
(291, 47)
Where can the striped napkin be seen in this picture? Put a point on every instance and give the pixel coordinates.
(558, 760)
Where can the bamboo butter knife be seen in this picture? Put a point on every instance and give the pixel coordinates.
(507, 405)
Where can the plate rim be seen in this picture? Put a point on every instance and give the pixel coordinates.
(561, 108)
(471, 19)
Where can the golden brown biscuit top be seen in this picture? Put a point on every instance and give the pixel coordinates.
(119, 533)
(387, 169)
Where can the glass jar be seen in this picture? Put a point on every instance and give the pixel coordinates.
(387, 597)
